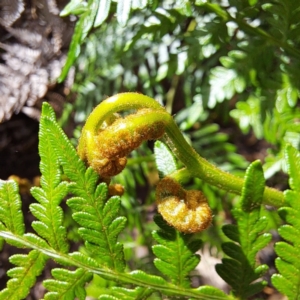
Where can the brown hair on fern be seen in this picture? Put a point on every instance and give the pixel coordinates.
(187, 211)
(124, 135)
(119, 138)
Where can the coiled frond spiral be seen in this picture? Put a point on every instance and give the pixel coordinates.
(186, 210)
(107, 139)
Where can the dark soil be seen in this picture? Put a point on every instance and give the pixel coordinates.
(19, 147)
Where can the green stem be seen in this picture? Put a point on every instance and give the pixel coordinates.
(201, 168)
(196, 165)
(119, 102)
(88, 265)
(138, 160)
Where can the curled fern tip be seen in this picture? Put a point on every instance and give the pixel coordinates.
(187, 211)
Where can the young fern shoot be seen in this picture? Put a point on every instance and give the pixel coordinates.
(105, 142)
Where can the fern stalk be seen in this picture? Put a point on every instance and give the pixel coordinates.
(196, 165)
(137, 278)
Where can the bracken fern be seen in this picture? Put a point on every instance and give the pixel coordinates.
(100, 224)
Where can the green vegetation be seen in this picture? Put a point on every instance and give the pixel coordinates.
(224, 71)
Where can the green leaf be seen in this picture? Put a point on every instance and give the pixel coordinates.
(74, 7)
(74, 168)
(74, 49)
(248, 114)
(232, 232)
(10, 207)
(286, 285)
(52, 191)
(210, 292)
(153, 280)
(224, 83)
(67, 284)
(123, 10)
(102, 13)
(289, 283)
(36, 240)
(234, 251)
(101, 227)
(254, 187)
(165, 160)
(292, 158)
(81, 31)
(290, 214)
(97, 215)
(175, 258)
(235, 271)
(241, 270)
(82, 259)
(288, 233)
(288, 266)
(24, 275)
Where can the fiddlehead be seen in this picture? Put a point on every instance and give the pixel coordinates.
(107, 149)
(126, 134)
(106, 140)
(187, 211)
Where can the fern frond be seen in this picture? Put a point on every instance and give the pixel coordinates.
(97, 215)
(137, 278)
(24, 275)
(11, 215)
(103, 11)
(241, 270)
(175, 253)
(283, 18)
(92, 15)
(123, 10)
(50, 194)
(67, 284)
(288, 279)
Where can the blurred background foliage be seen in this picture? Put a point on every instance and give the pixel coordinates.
(227, 70)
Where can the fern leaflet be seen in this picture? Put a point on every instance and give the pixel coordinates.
(50, 194)
(11, 215)
(175, 253)
(67, 284)
(288, 279)
(24, 275)
(165, 160)
(240, 270)
(97, 216)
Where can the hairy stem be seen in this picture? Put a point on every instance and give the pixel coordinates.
(196, 165)
(107, 108)
(199, 167)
